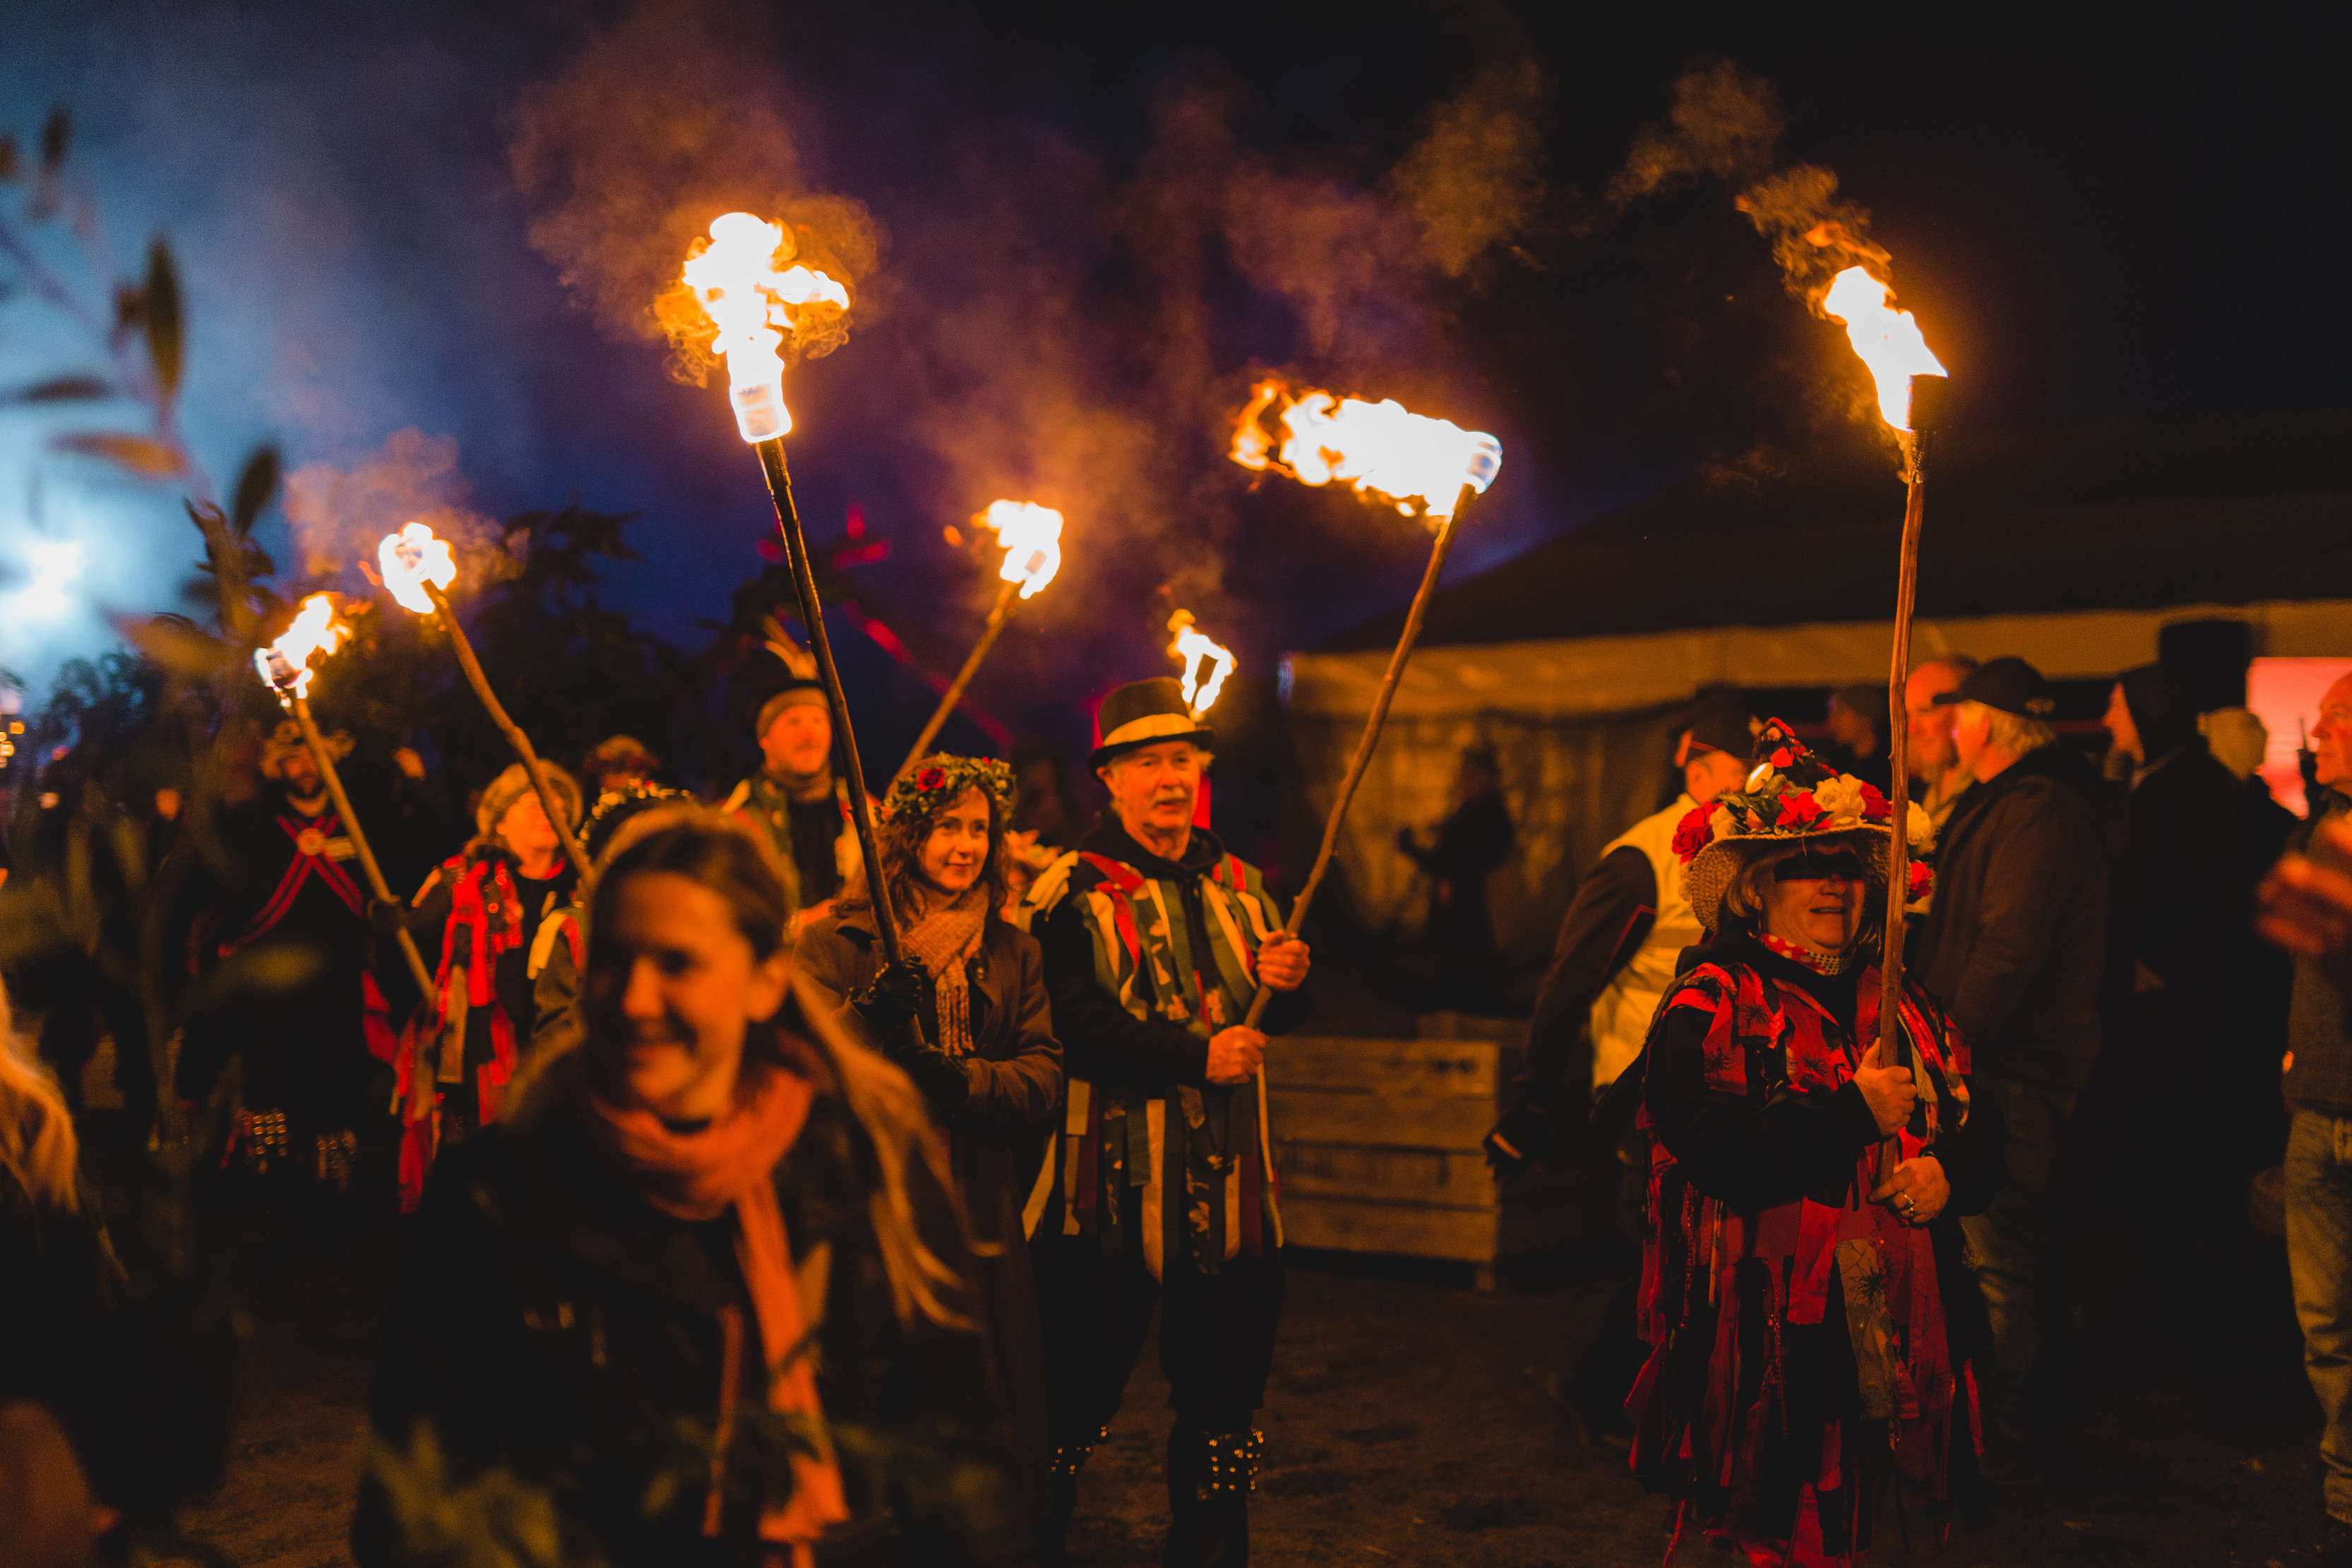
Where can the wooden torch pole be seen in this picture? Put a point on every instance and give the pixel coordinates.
(1895, 1048)
(1006, 599)
(861, 811)
(559, 819)
(383, 891)
(1365, 745)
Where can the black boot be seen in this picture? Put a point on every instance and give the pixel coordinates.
(1209, 1478)
(1052, 1533)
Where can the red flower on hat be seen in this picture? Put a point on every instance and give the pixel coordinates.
(1796, 810)
(1922, 878)
(1692, 833)
(930, 778)
(1874, 804)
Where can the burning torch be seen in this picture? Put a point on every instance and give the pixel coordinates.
(1396, 456)
(747, 298)
(1420, 466)
(285, 668)
(1911, 386)
(417, 567)
(1032, 536)
(1195, 649)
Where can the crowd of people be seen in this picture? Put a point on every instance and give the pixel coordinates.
(764, 1212)
(2087, 1011)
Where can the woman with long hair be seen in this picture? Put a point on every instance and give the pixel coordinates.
(1810, 1316)
(59, 1283)
(699, 1296)
(969, 1021)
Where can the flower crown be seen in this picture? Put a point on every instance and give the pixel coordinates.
(938, 781)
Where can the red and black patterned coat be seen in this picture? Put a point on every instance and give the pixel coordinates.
(1803, 1336)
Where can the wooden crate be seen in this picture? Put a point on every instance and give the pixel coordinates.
(1378, 1141)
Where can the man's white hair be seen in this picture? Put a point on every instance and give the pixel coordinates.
(2013, 735)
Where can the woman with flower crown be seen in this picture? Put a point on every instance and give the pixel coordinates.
(967, 1021)
(1809, 1318)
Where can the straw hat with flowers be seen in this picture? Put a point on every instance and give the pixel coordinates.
(1792, 795)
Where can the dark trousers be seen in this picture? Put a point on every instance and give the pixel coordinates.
(2009, 1245)
(1216, 1336)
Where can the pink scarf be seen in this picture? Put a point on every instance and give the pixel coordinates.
(699, 1175)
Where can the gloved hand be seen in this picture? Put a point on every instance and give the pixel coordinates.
(888, 1002)
(941, 1078)
(387, 918)
(1522, 1134)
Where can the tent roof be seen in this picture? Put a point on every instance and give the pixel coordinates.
(2138, 516)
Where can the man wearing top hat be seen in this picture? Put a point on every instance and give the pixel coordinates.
(1156, 1191)
(795, 799)
(2014, 947)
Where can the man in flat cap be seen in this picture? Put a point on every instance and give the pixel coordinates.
(1157, 1192)
(795, 799)
(2014, 947)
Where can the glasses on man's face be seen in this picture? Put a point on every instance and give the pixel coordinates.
(1814, 865)
(2336, 716)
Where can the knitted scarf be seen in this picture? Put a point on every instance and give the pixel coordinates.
(698, 1176)
(943, 941)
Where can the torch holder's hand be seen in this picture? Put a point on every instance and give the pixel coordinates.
(1234, 1054)
(889, 1004)
(1522, 1134)
(1282, 962)
(390, 917)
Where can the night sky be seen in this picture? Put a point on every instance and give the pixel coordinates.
(1095, 224)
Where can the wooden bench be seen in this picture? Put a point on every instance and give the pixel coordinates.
(1378, 1142)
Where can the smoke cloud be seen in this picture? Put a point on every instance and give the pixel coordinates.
(1725, 124)
(337, 517)
(659, 124)
(1084, 334)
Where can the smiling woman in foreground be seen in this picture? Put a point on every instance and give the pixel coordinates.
(701, 1297)
(1810, 1319)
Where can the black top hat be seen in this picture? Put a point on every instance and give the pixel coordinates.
(1145, 713)
(2009, 683)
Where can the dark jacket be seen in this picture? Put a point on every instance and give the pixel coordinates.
(2017, 938)
(2182, 893)
(550, 1327)
(2318, 1055)
(995, 1136)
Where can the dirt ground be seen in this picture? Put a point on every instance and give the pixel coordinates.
(1406, 1424)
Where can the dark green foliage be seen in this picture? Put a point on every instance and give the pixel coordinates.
(160, 317)
(61, 389)
(255, 488)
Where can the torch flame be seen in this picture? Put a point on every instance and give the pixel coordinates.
(1192, 647)
(736, 280)
(411, 559)
(1031, 537)
(1887, 339)
(284, 664)
(1378, 448)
